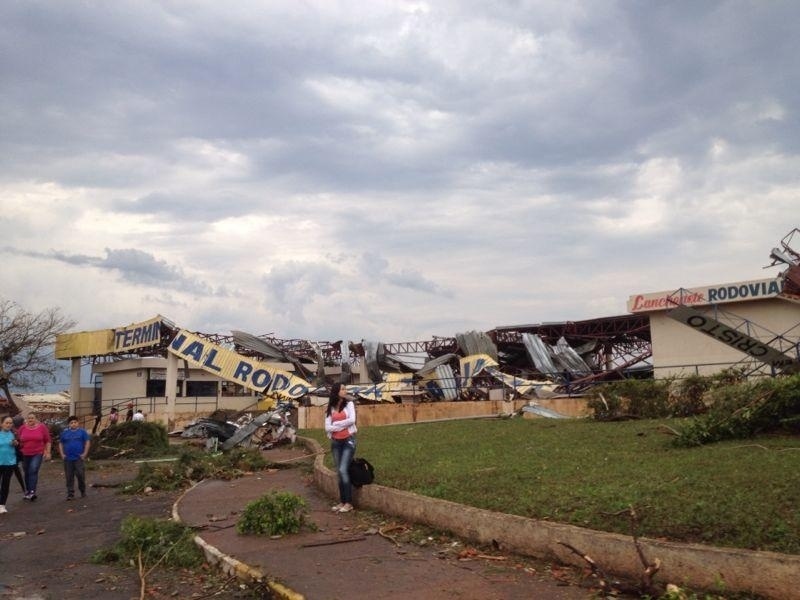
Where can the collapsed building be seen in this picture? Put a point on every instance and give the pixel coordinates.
(167, 370)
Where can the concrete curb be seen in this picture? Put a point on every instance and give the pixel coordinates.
(768, 574)
(231, 566)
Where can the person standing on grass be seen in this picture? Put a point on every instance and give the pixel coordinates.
(8, 459)
(34, 438)
(340, 427)
(73, 444)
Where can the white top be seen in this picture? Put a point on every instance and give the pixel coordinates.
(349, 422)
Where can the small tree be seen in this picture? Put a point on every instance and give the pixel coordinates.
(26, 346)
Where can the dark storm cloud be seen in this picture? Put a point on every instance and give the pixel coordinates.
(132, 265)
(427, 146)
(134, 76)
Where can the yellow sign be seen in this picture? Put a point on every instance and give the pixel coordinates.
(519, 385)
(394, 384)
(138, 335)
(229, 365)
(84, 343)
(472, 365)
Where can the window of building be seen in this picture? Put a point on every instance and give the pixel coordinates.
(233, 389)
(201, 388)
(156, 388)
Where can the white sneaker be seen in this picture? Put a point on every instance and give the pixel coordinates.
(337, 507)
(3, 509)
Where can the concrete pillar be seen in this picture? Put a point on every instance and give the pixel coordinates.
(171, 385)
(74, 385)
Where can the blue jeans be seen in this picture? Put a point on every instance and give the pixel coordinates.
(31, 465)
(343, 452)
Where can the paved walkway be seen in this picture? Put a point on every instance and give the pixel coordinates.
(346, 558)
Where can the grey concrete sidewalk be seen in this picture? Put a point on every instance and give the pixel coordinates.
(346, 558)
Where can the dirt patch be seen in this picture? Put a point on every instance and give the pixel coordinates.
(46, 545)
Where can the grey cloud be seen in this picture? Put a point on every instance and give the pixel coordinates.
(187, 206)
(133, 79)
(133, 266)
(376, 268)
(292, 285)
(484, 141)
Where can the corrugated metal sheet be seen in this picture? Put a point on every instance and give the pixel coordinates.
(523, 387)
(447, 381)
(256, 344)
(432, 364)
(476, 342)
(570, 359)
(319, 378)
(543, 412)
(371, 351)
(269, 351)
(540, 354)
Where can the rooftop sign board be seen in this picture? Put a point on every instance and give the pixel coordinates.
(108, 341)
(227, 364)
(138, 335)
(84, 343)
(713, 294)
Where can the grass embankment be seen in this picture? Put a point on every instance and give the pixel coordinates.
(744, 494)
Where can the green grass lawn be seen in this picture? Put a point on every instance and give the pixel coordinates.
(742, 493)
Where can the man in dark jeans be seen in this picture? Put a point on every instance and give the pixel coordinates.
(74, 446)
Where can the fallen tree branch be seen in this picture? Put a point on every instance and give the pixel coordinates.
(357, 538)
(222, 587)
(296, 458)
(650, 568)
(668, 430)
(383, 532)
(596, 571)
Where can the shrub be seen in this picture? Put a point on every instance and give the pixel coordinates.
(132, 439)
(157, 540)
(742, 410)
(193, 465)
(631, 398)
(687, 397)
(276, 513)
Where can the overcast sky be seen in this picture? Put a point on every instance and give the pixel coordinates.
(389, 170)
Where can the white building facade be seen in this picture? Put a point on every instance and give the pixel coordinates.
(755, 310)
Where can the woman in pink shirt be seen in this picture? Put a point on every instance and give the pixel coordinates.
(340, 426)
(34, 440)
